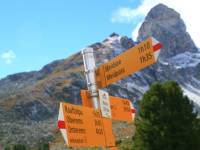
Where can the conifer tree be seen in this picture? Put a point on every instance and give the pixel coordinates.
(166, 120)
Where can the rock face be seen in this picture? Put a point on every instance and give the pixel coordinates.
(29, 102)
(165, 24)
(179, 59)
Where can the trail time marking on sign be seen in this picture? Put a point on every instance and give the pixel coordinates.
(134, 59)
(84, 126)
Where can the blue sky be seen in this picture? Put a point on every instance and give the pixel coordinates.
(36, 32)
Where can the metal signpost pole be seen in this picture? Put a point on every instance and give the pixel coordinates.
(89, 65)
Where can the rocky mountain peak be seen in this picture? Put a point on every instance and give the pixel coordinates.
(162, 12)
(162, 19)
(113, 34)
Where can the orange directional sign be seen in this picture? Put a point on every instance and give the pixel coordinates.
(84, 127)
(121, 109)
(132, 60)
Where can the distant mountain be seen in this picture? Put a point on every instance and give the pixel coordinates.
(29, 101)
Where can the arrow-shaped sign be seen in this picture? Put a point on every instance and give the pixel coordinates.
(134, 59)
(61, 124)
(84, 127)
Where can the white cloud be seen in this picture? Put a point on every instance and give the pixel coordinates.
(124, 15)
(135, 31)
(8, 56)
(189, 11)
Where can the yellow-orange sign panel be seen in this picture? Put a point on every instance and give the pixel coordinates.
(110, 139)
(84, 126)
(120, 107)
(132, 60)
(85, 98)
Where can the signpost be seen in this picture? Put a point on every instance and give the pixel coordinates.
(134, 59)
(85, 126)
(91, 124)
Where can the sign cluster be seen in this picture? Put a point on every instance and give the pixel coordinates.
(85, 126)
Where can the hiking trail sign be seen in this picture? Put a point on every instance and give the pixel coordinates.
(91, 124)
(134, 59)
(84, 127)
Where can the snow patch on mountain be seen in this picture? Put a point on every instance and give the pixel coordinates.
(192, 93)
(163, 62)
(186, 59)
(113, 40)
(142, 89)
